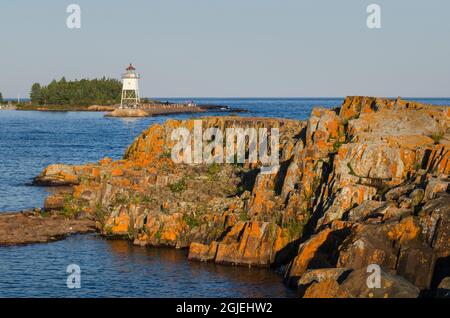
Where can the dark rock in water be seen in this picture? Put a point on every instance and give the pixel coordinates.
(222, 108)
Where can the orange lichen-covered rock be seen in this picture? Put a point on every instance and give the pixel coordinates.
(164, 230)
(263, 195)
(117, 172)
(306, 253)
(391, 286)
(439, 160)
(57, 175)
(105, 161)
(251, 243)
(406, 230)
(149, 145)
(325, 289)
(203, 252)
(356, 186)
(54, 202)
(324, 125)
(353, 106)
(141, 240)
(368, 244)
(120, 224)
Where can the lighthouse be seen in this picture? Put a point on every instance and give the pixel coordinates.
(130, 88)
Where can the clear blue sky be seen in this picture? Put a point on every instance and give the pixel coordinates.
(224, 48)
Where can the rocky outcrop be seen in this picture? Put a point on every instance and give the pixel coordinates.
(157, 109)
(247, 243)
(355, 286)
(125, 112)
(363, 184)
(32, 227)
(101, 108)
(57, 175)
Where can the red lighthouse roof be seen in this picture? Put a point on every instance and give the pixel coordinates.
(130, 68)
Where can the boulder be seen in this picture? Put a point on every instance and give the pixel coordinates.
(314, 276)
(368, 245)
(54, 202)
(328, 288)
(392, 286)
(251, 244)
(119, 112)
(202, 252)
(320, 251)
(57, 175)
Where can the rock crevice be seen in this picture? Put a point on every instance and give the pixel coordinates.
(366, 183)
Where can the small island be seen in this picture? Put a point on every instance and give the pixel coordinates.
(101, 95)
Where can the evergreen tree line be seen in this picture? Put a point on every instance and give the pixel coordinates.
(85, 92)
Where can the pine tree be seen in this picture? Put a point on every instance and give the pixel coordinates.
(84, 92)
(36, 94)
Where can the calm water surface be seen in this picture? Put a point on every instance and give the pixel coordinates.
(29, 141)
(119, 269)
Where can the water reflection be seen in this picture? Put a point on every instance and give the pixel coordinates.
(119, 269)
(221, 280)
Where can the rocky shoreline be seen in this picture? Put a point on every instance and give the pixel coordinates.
(146, 110)
(361, 185)
(27, 227)
(170, 109)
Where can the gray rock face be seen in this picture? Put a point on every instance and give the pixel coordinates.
(392, 286)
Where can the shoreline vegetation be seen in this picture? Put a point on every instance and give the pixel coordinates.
(84, 92)
(100, 95)
(366, 183)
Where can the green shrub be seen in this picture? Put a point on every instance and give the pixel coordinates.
(437, 136)
(166, 154)
(352, 172)
(294, 229)
(121, 198)
(179, 186)
(100, 214)
(191, 220)
(213, 170)
(69, 209)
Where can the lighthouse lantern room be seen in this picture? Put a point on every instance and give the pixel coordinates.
(130, 89)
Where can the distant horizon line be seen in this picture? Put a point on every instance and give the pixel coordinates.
(263, 97)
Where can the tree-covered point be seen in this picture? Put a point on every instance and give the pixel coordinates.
(1, 98)
(85, 92)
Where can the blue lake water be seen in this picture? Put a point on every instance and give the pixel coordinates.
(29, 141)
(119, 269)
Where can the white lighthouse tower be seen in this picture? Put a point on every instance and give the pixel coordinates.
(130, 88)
